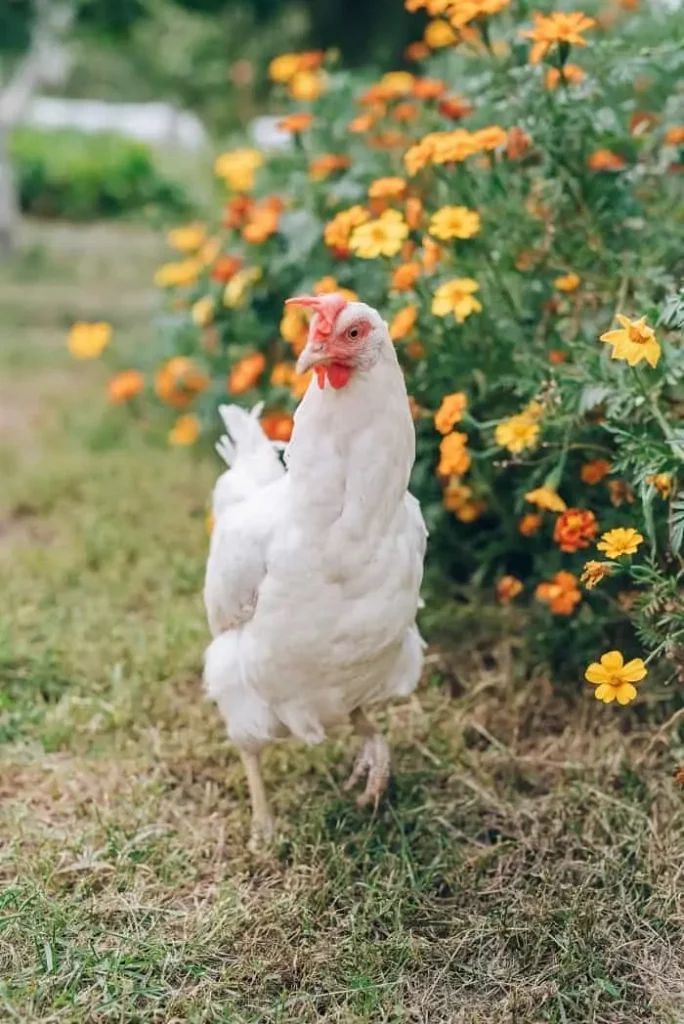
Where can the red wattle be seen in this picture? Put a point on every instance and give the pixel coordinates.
(338, 375)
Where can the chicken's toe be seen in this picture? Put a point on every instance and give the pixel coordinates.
(374, 759)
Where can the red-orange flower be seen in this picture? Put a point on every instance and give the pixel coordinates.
(246, 372)
(125, 386)
(225, 268)
(562, 593)
(606, 160)
(277, 426)
(530, 523)
(593, 472)
(575, 528)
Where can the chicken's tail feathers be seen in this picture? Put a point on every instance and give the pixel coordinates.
(251, 458)
(243, 432)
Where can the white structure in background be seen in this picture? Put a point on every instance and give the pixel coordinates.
(154, 123)
(266, 134)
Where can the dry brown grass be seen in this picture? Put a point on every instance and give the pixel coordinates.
(526, 867)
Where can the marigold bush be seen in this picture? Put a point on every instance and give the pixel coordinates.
(511, 207)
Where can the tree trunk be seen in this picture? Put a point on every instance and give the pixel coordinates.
(9, 203)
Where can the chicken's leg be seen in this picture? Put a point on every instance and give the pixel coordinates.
(262, 820)
(373, 758)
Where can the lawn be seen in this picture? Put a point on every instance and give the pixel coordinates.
(527, 866)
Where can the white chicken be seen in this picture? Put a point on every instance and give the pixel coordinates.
(313, 575)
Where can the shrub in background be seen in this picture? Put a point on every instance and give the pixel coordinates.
(77, 176)
(515, 211)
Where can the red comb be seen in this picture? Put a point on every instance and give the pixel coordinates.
(327, 307)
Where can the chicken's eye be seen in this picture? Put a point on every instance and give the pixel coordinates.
(353, 333)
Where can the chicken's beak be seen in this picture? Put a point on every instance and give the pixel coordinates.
(313, 354)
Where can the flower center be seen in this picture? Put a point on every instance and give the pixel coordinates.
(638, 335)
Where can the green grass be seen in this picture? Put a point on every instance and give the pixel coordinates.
(526, 867)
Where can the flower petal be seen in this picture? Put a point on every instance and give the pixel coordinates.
(612, 661)
(625, 693)
(634, 671)
(596, 674)
(612, 337)
(606, 693)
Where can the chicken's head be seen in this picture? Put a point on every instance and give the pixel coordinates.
(343, 337)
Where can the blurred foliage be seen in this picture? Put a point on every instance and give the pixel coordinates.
(81, 177)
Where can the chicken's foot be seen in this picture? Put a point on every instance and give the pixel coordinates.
(372, 759)
(262, 819)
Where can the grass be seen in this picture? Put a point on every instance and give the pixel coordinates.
(526, 868)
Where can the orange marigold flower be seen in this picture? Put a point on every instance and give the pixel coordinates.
(428, 88)
(225, 268)
(405, 112)
(454, 107)
(519, 144)
(507, 588)
(571, 74)
(294, 327)
(675, 136)
(559, 27)
(454, 458)
(277, 426)
(562, 593)
(262, 222)
(125, 386)
(417, 51)
(300, 383)
(387, 188)
(362, 123)
(403, 322)
(593, 472)
(575, 528)
(246, 372)
(405, 276)
(323, 166)
(606, 160)
(236, 209)
(185, 431)
(557, 356)
(432, 254)
(530, 523)
(620, 493)
(450, 412)
(297, 122)
(338, 231)
(328, 284)
(179, 381)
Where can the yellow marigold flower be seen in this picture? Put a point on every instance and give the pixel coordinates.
(307, 85)
(594, 572)
(294, 327)
(381, 237)
(662, 483)
(517, 433)
(177, 275)
(572, 74)
(236, 290)
(188, 238)
(125, 386)
(396, 83)
(454, 459)
(88, 340)
(284, 67)
(450, 412)
(507, 588)
(454, 222)
(438, 34)
(326, 285)
(453, 147)
(567, 282)
(203, 311)
(387, 188)
(403, 322)
(338, 230)
(238, 168)
(634, 341)
(559, 27)
(546, 498)
(185, 431)
(488, 138)
(593, 472)
(300, 383)
(282, 375)
(614, 679)
(456, 296)
(622, 541)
